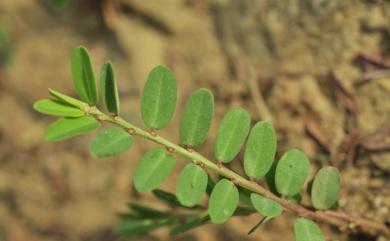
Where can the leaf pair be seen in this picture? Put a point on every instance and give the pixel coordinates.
(84, 80)
(158, 103)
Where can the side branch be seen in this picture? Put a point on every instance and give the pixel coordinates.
(338, 219)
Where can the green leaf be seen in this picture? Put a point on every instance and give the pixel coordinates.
(325, 188)
(111, 142)
(154, 168)
(231, 134)
(109, 88)
(158, 100)
(146, 212)
(194, 223)
(223, 201)
(167, 197)
(307, 230)
(191, 185)
(57, 108)
(265, 206)
(67, 99)
(83, 77)
(260, 150)
(135, 226)
(197, 117)
(69, 127)
(291, 172)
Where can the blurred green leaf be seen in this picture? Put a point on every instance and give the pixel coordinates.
(191, 185)
(210, 185)
(167, 197)
(265, 206)
(57, 108)
(67, 99)
(158, 100)
(245, 196)
(307, 230)
(154, 168)
(83, 76)
(5, 46)
(325, 188)
(109, 89)
(291, 172)
(260, 150)
(58, 4)
(111, 142)
(136, 226)
(69, 127)
(146, 212)
(243, 211)
(197, 117)
(231, 134)
(194, 223)
(223, 201)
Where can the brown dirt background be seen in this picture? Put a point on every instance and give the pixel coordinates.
(318, 69)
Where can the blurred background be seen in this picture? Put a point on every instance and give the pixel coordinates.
(319, 70)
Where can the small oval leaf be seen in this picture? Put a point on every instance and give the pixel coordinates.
(231, 134)
(265, 206)
(69, 127)
(191, 185)
(260, 150)
(110, 142)
(154, 168)
(325, 188)
(109, 88)
(57, 108)
(307, 230)
(223, 201)
(67, 99)
(158, 100)
(83, 77)
(197, 117)
(291, 172)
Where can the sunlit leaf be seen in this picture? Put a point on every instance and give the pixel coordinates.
(307, 230)
(191, 185)
(158, 100)
(291, 172)
(109, 88)
(325, 188)
(154, 168)
(67, 99)
(260, 150)
(57, 108)
(231, 134)
(110, 142)
(197, 117)
(69, 127)
(83, 76)
(265, 206)
(194, 223)
(223, 201)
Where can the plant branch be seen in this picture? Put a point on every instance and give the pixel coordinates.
(341, 220)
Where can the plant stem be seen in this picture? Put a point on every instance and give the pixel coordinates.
(341, 220)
